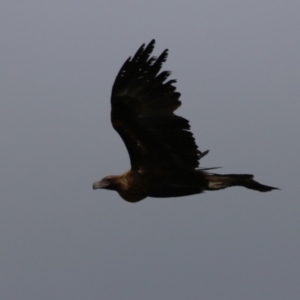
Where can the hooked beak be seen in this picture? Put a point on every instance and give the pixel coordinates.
(100, 184)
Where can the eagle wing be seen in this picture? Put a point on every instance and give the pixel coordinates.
(142, 112)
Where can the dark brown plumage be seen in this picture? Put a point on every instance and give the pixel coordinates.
(163, 153)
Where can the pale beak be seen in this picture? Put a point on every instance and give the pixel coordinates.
(100, 184)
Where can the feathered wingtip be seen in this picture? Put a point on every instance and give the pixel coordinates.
(141, 65)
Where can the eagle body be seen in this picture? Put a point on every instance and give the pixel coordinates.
(163, 153)
(134, 186)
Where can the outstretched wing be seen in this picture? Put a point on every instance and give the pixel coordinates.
(142, 106)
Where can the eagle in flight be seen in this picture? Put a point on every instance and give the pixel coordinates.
(163, 153)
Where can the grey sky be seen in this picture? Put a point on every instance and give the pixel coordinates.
(237, 64)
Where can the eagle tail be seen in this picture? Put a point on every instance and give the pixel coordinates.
(218, 182)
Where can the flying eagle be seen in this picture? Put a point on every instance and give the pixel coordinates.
(163, 153)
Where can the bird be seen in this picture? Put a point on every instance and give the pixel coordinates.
(164, 157)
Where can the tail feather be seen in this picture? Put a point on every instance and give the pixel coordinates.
(218, 181)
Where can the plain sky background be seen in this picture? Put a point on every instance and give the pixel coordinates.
(238, 67)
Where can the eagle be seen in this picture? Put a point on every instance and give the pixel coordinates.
(164, 156)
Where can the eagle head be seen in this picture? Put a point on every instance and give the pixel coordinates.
(107, 182)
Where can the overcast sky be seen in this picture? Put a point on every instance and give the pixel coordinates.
(238, 67)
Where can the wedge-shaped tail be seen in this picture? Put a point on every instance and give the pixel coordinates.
(218, 182)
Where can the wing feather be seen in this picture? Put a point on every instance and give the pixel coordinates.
(143, 105)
